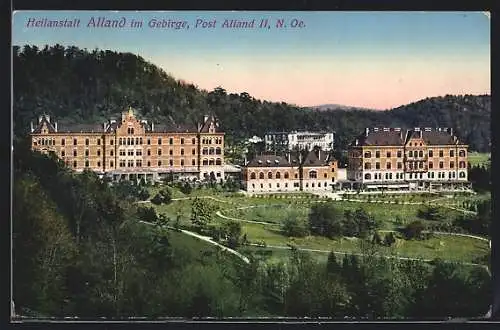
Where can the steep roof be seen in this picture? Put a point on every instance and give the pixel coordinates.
(398, 137)
(44, 120)
(77, 128)
(269, 161)
(205, 127)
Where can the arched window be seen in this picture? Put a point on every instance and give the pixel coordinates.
(270, 175)
(286, 175)
(261, 175)
(252, 176)
(211, 151)
(205, 161)
(368, 154)
(368, 176)
(462, 174)
(462, 164)
(278, 175)
(211, 161)
(420, 153)
(461, 153)
(217, 151)
(205, 151)
(313, 174)
(431, 165)
(218, 161)
(410, 153)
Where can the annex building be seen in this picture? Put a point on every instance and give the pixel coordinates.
(418, 158)
(131, 148)
(303, 140)
(313, 171)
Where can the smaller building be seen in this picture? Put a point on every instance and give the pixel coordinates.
(304, 140)
(296, 171)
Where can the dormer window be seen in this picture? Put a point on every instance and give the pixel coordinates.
(268, 162)
(276, 161)
(260, 161)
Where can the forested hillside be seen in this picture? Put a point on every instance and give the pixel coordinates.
(79, 85)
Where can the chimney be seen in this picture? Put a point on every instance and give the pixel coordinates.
(40, 119)
(31, 124)
(104, 127)
(152, 127)
(205, 118)
(367, 130)
(420, 134)
(451, 131)
(55, 126)
(357, 142)
(289, 157)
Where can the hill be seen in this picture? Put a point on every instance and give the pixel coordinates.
(324, 107)
(78, 85)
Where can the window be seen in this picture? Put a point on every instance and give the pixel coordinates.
(368, 176)
(111, 142)
(296, 176)
(98, 142)
(286, 175)
(74, 142)
(62, 153)
(377, 154)
(149, 141)
(137, 141)
(205, 151)
(159, 152)
(261, 175)
(377, 165)
(182, 140)
(270, 175)
(399, 153)
(193, 151)
(63, 142)
(452, 153)
(98, 152)
(420, 153)
(159, 141)
(431, 153)
(149, 152)
(211, 151)
(420, 164)
(171, 162)
(182, 151)
(159, 163)
(461, 174)
(138, 152)
(296, 184)
(98, 164)
(86, 142)
(461, 153)
(278, 175)
(400, 165)
(149, 163)
(130, 130)
(171, 141)
(205, 161)
(368, 166)
(130, 152)
(74, 164)
(441, 153)
(193, 141)
(193, 162)
(388, 155)
(410, 153)
(217, 151)
(388, 165)
(441, 165)
(431, 165)
(86, 163)
(74, 153)
(182, 162)
(461, 164)
(452, 164)
(122, 163)
(111, 152)
(368, 154)
(325, 175)
(130, 163)
(111, 164)
(313, 175)
(138, 163)
(122, 152)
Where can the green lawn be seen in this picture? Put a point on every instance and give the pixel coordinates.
(476, 158)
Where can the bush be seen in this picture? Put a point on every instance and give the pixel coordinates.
(157, 200)
(414, 230)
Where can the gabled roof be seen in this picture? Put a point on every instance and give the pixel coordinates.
(269, 161)
(44, 120)
(206, 125)
(398, 137)
(80, 128)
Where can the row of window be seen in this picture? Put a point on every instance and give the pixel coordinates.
(400, 176)
(211, 151)
(211, 141)
(416, 153)
(312, 175)
(414, 165)
(52, 141)
(295, 185)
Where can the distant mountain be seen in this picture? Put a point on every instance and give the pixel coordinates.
(83, 86)
(325, 107)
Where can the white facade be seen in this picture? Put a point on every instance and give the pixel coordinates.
(309, 140)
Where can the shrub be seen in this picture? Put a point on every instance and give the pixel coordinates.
(414, 230)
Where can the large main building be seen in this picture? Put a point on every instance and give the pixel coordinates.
(133, 148)
(423, 158)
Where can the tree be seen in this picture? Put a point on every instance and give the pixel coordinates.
(186, 188)
(293, 227)
(389, 239)
(414, 230)
(332, 265)
(377, 240)
(233, 230)
(147, 214)
(201, 212)
(325, 220)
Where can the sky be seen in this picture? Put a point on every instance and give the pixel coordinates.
(377, 60)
